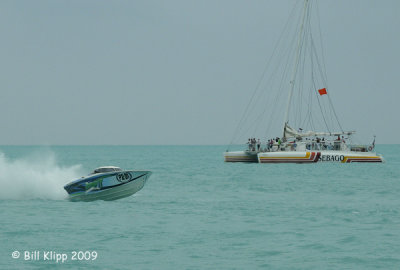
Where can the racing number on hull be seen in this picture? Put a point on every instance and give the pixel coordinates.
(124, 177)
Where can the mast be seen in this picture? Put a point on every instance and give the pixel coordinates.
(296, 64)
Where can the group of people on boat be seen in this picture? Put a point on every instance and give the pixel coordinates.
(322, 144)
(277, 144)
(254, 144)
(271, 143)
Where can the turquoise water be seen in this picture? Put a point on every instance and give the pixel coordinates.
(197, 212)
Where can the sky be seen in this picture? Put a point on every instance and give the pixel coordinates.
(179, 72)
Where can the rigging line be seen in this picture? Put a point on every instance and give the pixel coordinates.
(297, 74)
(308, 115)
(302, 86)
(270, 83)
(334, 111)
(262, 76)
(273, 101)
(321, 69)
(316, 93)
(272, 75)
(310, 112)
(295, 68)
(277, 97)
(329, 99)
(299, 82)
(282, 84)
(323, 62)
(303, 68)
(314, 50)
(288, 56)
(310, 118)
(322, 47)
(288, 51)
(300, 89)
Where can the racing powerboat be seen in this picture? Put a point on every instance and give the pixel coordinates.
(107, 183)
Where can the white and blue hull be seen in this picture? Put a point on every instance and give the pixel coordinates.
(107, 186)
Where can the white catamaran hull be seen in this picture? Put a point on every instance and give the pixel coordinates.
(241, 156)
(349, 156)
(289, 157)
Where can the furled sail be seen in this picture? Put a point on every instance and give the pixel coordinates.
(289, 132)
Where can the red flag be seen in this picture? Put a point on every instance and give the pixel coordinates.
(322, 91)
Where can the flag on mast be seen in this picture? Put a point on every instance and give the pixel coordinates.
(322, 91)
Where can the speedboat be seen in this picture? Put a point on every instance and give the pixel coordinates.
(107, 183)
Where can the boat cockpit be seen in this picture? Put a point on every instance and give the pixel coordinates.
(107, 169)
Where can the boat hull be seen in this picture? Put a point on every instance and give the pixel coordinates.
(241, 156)
(107, 186)
(289, 157)
(349, 157)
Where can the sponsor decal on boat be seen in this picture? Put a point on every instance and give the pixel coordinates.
(331, 158)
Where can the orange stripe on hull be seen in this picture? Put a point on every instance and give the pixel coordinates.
(309, 158)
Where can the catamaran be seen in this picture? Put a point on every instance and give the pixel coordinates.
(308, 105)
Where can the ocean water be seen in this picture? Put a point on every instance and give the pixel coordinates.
(197, 212)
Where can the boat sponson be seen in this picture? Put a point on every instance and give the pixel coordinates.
(240, 156)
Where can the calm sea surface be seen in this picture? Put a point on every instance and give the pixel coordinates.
(197, 212)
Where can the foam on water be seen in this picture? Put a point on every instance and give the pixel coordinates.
(35, 176)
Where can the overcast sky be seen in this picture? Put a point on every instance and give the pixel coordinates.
(179, 72)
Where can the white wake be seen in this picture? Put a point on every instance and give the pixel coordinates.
(36, 176)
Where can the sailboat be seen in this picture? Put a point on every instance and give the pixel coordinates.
(308, 100)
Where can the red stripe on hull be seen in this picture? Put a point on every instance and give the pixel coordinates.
(317, 157)
(363, 160)
(288, 161)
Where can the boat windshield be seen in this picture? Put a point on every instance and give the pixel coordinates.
(106, 169)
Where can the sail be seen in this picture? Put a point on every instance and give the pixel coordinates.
(290, 132)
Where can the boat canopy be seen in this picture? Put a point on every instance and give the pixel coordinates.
(107, 169)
